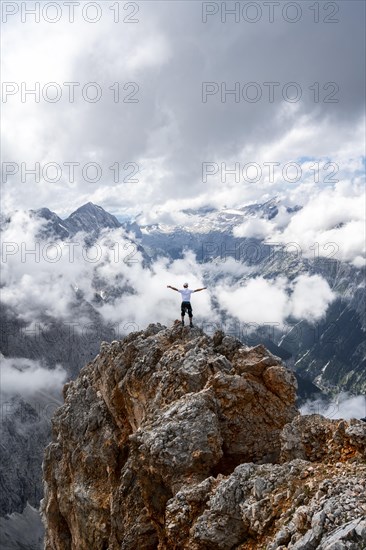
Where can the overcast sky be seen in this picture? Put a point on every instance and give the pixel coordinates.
(177, 122)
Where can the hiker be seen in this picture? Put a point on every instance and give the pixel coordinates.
(186, 301)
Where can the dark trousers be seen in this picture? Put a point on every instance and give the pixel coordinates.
(186, 306)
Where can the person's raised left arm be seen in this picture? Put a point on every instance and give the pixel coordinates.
(199, 289)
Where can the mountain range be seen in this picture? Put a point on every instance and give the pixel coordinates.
(327, 358)
(332, 354)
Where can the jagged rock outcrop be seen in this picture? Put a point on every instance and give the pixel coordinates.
(171, 439)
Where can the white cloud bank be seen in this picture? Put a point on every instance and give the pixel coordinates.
(26, 377)
(37, 288)
(342, 406)
(254, 228)
(330, 224)
(310, 298)
(272, 301)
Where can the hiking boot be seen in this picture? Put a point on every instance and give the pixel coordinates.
(191, 324)
(182, 323)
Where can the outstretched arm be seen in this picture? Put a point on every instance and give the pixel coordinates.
(199, 289)
(172, 287)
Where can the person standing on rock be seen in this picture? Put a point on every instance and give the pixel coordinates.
(186, 301)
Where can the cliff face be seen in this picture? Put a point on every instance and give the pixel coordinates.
(170, 439)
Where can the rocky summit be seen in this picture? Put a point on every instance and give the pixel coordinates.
(171, 439)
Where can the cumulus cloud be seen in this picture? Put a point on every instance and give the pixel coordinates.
(42, 277)
(331, 224)
(310, 297)
(359, 262)
(45, 279)
(273, 301)
(258, 301)
(344, 406)
(26, 377)
(152, 301)
(256, 228)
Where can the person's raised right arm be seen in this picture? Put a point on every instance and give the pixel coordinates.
(172, 287)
